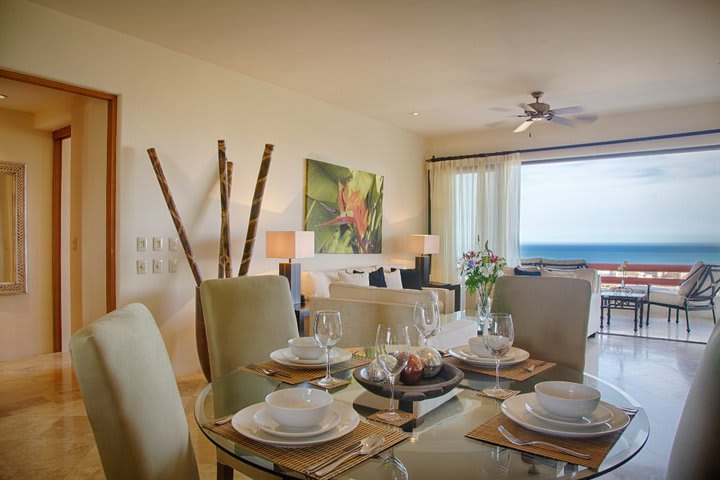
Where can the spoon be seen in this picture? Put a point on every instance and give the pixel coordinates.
(367, 445)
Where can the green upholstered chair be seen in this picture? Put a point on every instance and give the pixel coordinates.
(697, 439)
(246, 318)
(550, 316)
(132, 398)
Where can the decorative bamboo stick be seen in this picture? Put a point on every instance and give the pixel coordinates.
(175, 215)
(255, 209)
(224, 267)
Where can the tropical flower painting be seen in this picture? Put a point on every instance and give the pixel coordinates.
(343, 207)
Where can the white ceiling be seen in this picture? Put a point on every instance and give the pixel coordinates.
(464, 65)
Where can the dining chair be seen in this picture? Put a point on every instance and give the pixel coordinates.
(696, 292)
(246, 318)
(697, 439)
(549, 316)
(131, 397)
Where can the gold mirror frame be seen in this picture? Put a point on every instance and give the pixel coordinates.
(19, 285)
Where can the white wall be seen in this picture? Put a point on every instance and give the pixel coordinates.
(182, 107)
(26, 320)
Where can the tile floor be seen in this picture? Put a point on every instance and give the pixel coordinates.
(44, 432)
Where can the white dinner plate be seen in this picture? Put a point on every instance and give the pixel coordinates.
(513, 357)
(602, 414)
(514, 409)
(266, 422)
(244, 423)
(305, 361)
(337, 355)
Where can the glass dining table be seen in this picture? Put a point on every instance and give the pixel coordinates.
(437, 447)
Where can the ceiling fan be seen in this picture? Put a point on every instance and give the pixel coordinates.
(537, 111)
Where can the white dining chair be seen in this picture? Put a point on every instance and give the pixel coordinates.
(131, 397)
(697, 439)
(549, 315)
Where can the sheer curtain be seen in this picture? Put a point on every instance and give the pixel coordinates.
(474, 200)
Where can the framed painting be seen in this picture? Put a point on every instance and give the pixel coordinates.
(343, 206)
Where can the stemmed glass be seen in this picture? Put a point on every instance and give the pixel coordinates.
(392, 349)
(498, 336)
(426, 317)
(328, 331)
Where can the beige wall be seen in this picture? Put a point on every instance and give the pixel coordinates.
(182, 107)
(26, 320)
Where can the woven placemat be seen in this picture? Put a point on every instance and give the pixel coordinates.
(517, 372)
(507, 394)
(299, 459)
(405, 417)
(297, 375)
(597, 447)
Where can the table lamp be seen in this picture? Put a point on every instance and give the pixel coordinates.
(424, 246)
(290, 245)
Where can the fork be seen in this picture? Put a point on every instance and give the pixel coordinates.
(516, 441)
(269, 372)
(345, 450)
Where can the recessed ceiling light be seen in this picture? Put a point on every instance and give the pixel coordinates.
(415, 114)
(2, 96)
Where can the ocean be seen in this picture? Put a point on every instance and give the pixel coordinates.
(637, 253)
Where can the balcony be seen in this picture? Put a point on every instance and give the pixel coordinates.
(668, 276)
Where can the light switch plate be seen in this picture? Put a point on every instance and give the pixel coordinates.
(157, 243)
(172, 244)
(157, 265)
(141, 243)
(141, 266)
(172, 265)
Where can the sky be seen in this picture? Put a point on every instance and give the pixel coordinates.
(672, 198)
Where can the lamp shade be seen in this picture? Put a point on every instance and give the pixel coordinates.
(289, 244)
(424, 244)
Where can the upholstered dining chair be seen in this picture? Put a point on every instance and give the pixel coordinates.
(696, 292)
(131, 397)
(697, 439)
(246, 318)
(549, 315)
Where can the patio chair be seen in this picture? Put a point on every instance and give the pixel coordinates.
(696, 292)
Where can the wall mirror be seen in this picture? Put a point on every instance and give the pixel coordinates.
(12, 229)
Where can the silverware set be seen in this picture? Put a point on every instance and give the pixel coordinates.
(367, 446)
(516, 441)
(268, 371)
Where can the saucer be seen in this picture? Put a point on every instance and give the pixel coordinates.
(283, 357)
(265, 422)
(601, 414)
(321, 360)
(244, 423)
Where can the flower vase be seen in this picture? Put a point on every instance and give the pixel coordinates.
(483, 306)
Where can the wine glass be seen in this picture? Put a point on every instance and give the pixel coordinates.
(328, 331)
(392, 350)
(426, 316)
(498, 336)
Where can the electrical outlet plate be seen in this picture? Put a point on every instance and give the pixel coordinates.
(141, 244)
(157, 243)
(172, 265)
(141, 266)
(172, 244)
(157, 265)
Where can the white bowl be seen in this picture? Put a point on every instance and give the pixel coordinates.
(567, 399)
(306, 348)
(477, 346)
(299, 407)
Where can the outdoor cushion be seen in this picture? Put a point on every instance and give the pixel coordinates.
(690, 281)
(528, 272)
(666, 297)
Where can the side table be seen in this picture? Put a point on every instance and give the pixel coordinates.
(447, 286)
(622, 301)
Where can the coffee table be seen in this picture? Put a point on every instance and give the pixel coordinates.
(622, 301)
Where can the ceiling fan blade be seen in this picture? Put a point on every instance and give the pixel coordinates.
(587, 118)
(526, 107)
(567, 110)
(523, 126)
(562, 121)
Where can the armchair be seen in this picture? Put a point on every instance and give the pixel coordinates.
(696, 292)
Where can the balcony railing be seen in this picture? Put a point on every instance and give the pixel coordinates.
(641, 274)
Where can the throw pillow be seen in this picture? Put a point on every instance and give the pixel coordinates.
(527, 272)
(690, 281)
(376, 278)
(355, 278)
(315, 284)
(393, 279)
(411, 278)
